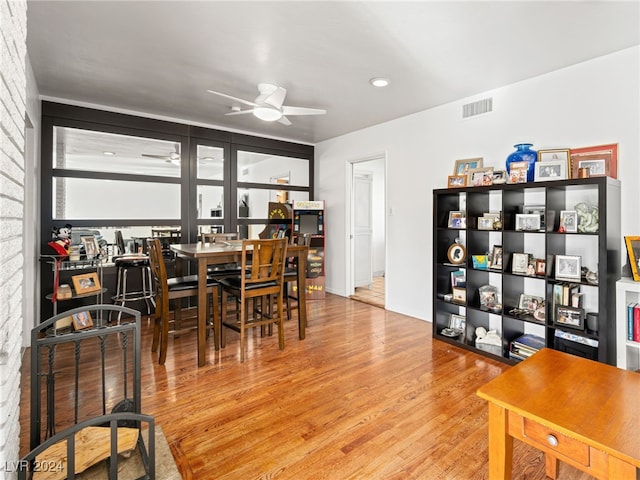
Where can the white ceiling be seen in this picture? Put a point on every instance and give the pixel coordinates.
(159, 57)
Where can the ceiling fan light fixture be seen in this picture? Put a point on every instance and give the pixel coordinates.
(267, 114)
(109, 153)
(379, 82)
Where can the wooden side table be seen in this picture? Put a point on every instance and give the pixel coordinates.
(579, 411)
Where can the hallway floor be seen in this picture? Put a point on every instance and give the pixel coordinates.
(374, 295)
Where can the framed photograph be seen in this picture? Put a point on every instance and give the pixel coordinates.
(568, 267)
(86, 283)
(519, 262)
(463, 167)
(91, 247)
(457, 220)
(541, 267)
(488, 296)
(633, 250)
(559, 155)
(480, 177)
(569, 317)
(457, 181)
(569, 220)
(528, 222)
(480, 262)
(499, 177)
(459, 295)
(538, 210)
(496, 257)
(457, 324)
(485, 223)
(601, 160)
(456, 253)
(82, 320)
(545, 171)
(518, 172)
(529, 302)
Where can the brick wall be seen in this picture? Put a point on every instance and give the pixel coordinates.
(13, 33)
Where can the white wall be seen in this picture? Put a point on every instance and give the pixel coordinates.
(592, 103)
(13, 86)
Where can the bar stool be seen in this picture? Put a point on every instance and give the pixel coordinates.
(126, 262)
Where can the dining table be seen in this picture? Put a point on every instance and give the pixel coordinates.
(231, 252)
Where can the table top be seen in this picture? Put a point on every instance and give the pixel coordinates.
(197, 250)
(596, 403)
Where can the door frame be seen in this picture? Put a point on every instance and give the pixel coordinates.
(349, 218)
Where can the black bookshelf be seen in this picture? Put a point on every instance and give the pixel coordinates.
(599, 252)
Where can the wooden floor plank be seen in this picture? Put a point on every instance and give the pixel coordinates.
(367, 395)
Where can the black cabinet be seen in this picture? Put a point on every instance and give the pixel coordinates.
(595, 249)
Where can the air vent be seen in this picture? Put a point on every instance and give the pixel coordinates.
(477, 108)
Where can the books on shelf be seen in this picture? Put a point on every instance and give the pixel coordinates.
(567, 294)
(525, 345)
(633, 322)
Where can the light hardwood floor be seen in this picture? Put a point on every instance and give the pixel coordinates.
(367, 395)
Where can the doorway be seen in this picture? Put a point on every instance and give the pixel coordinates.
(367, 230)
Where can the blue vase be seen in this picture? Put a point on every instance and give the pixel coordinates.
(523, 153)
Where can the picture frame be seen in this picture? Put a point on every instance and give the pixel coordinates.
(488, 296)
(457, 181)
(569, 221)
(456, 253)
(568, 267)
(86, 283)
(457, 325)
(463, 167)
(499, 177)
(633, 250)
(480, 262)
(82, 320)
(518, 172)
(528, 222)
(457, 219)
(485, 223)
(529, 302)
(551, 170)
(481, 177)
(539, 210)
(541, 266)
(519, 262)
(496, 257)
(91, 247)
(570, 317)
(459, 295)
(555, 155)
(601, 160)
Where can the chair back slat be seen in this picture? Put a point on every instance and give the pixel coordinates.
(158, 267)
(263, 261)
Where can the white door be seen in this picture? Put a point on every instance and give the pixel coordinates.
(363, 229)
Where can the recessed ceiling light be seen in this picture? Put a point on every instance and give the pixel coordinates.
(379, 82)
(109, 153)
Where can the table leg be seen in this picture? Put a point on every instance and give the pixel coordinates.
(551, 466)
(500, 443)
(302, 294)
(202, 310)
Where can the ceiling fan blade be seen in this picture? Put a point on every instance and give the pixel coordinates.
(246, 102)
(302, 111)
(161, 157)
(276, 98)
(239, 112)
(284, 120)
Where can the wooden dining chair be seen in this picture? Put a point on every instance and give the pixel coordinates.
(261, 278)
(176, 288)
(226, 269)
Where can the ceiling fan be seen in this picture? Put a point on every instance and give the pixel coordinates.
(268, 106)
(172, 157)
